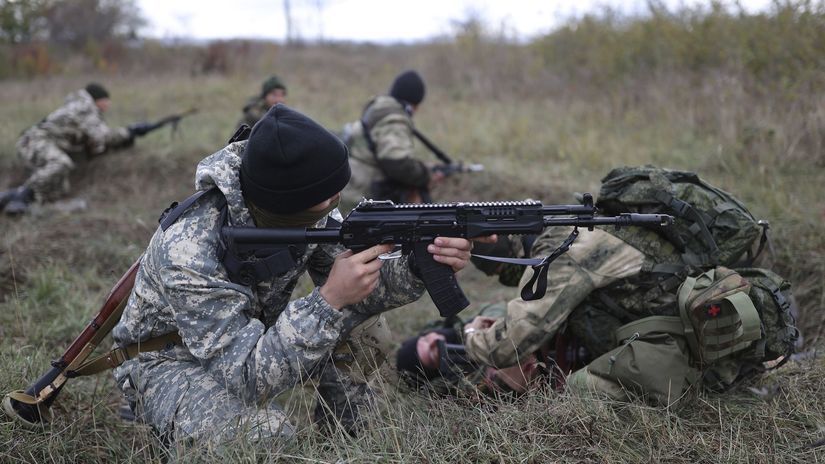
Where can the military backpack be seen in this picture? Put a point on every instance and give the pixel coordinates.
(712, 227)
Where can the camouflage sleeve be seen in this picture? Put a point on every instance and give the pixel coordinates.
(395, 152)
(595, 260)
(397, 285)
(213, 318)
(100, 136)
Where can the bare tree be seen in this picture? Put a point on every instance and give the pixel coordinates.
(289, 22)
(78, 22)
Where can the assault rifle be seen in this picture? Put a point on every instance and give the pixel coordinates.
(449, 166)
(413, 227)
(453, 357)
(142, 128)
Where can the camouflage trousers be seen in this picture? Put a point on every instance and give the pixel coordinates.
(180, 400)
(49, 166)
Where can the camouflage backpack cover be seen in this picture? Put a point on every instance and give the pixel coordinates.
(731, 234)
(712, 227)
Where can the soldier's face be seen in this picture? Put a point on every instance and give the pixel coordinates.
(427, 349)
(103, 104)
(517, 377)
(275, 97)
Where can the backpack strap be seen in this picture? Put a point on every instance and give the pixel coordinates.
(698, 228)
(242, 133)
(790, 334)
(175, 210)
(370, 117)
(249, 266)
(690, 334)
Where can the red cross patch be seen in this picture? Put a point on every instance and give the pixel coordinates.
(714, 310)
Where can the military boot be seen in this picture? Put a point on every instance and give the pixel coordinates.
(19, 202)
(6, 196)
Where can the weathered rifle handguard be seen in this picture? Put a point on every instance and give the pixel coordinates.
(415, 226)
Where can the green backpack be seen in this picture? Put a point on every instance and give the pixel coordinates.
(772, 297)
(712, 227)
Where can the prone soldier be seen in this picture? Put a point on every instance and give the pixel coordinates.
(49, 148)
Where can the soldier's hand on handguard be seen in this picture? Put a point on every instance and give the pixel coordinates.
(455, 252)
(478, 323)
(435, 178)
(353, 276)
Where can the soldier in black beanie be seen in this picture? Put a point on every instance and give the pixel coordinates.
(244, 337)
(383, 158)
(291, 163)
(408, 87)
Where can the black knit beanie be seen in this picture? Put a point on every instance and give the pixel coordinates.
(97, 91)
(291, 163)
(271, 84)
(408, 87)
(407, 356)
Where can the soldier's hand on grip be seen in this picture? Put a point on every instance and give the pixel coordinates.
(353, 276)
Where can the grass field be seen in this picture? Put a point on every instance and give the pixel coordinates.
(542, 141)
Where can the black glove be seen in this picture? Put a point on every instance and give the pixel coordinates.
(140, 129)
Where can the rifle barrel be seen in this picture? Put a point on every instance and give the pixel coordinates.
(560, 210)
(628, 219)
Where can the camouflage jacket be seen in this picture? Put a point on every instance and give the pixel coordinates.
(252, 339)
(596, 260)
(78, 127)
(391, 131)
(253, 111)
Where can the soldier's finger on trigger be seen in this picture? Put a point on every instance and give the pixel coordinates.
(373, 266)
(344, 254)
(373, 253)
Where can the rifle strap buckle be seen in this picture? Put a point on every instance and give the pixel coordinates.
(539, 278)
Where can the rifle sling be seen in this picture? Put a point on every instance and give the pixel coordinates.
(366, 127)
(540, 267)
(119, 355)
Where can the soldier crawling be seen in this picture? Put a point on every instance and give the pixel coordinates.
(243, 344)
(49, 148)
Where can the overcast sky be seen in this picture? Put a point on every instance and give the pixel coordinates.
(369, 20)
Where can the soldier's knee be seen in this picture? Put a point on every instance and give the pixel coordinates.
(585, 383)
(366, 349)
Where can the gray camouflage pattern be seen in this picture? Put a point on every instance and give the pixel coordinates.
(49, 148)
(253, 343)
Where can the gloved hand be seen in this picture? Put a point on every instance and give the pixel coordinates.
(139, 129)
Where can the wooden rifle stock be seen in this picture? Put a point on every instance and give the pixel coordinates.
(32, 405)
